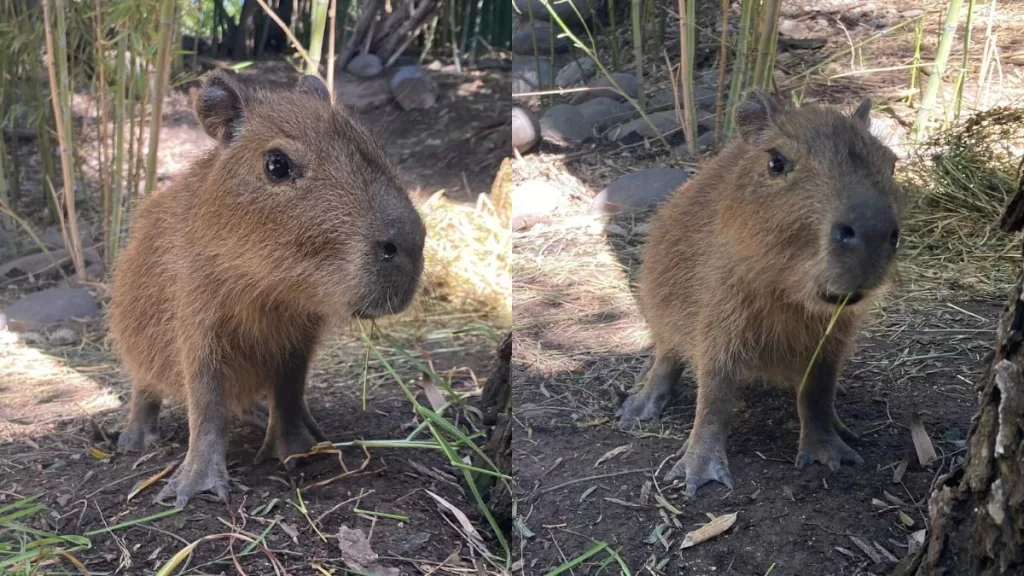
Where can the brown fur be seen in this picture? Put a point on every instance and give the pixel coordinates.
(738, 257)
(229, 279)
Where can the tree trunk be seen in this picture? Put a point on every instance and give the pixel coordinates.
(245, 34)
(977, 511)
(496, 405)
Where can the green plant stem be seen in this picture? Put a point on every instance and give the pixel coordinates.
(160, 90)
(924, 114)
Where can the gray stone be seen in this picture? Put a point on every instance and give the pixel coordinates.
(365, 66)
(639, 190)
(524, 74)
(564, 124)
(362, 95)
(7, 248)
(664, 123)
(564, 10)
(414, 89)
(522, 41)
(575, 72)
(603, 86)
(50, 306)
(525, 130)
(702, 97)
(604, 112)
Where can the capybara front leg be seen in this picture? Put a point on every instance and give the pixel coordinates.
(205, 468)
(142, 430)
(292, 429)
(704, 459)
(648, 404)
(822, 435)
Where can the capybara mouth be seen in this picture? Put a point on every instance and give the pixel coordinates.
(835, 299)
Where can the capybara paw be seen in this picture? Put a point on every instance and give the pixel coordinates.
(190, 480)
(700, 467)
(281, 445)
(826, 448)
(641, 406)
(136, 439)
(844, 432)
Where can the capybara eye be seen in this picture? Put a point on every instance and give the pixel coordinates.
(777, 163)
(277, 165)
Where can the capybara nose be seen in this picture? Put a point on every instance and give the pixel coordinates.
(402, 245)
(386, 251)
(867, 229)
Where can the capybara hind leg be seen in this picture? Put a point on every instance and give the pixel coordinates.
(142, 430)
(822, 435)
(704, 459)
(205, 468)
(650, 401)
(292, 429)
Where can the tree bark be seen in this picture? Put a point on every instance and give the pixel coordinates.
(496, 405)
(977, 510)
(245, 34)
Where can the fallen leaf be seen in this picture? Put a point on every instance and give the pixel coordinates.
(433, 394)
(358, 556)
(916, 540)
(888, 555)
(922, 443)
(587, 492)
(867, 550)
(612, 454)
(645, 493)
(142, 485)
(878, 503)
(667, 505)
(290, 530)
(98, 454)
(622, 502)
(899, 471)
(467, 526)
(906, 519)
(891, 498)
(842, 550)
(710, 530)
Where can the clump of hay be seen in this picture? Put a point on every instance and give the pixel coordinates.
(961, 180)
(467, 251)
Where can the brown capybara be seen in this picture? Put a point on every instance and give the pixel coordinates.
(294, 220)
(745, 267)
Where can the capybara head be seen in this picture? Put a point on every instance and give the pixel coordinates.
(304, 203)
(814, 211)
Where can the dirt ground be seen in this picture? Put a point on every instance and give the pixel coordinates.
(62, 406)
(588, 489)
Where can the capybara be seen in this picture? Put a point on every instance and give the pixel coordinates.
(747, 263)
(294, 220)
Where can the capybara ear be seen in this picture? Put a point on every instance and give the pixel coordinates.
(863, 112)
(755, 114)
(220, 106)
(314, 85)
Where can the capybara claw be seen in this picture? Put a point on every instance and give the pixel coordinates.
(699, 469)
(641, 406)
(828, 449)
(281, 445)
(189, 481)
(136, 439)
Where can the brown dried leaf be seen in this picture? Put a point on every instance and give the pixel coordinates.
(142, 485)
(922, 443)
(467, 526)
(717, 526)
(622, 502)
(434, 395)
(888, 555)
(891, 498)
(613, 453)
(899, 471)
(358, 556)
(867, 550)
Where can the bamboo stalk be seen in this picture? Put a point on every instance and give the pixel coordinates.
(60, 89)
(316, 41)
(638, 49)
(766, 47)
(332, 15)
(103, 148)
(723, 60)
(614, 36)
(924, 114)
(687, 28)
(160, 90)
(112, 218)
(739, 70)
(964, 62)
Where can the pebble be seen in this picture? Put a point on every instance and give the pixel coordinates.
(414, 89)
(603, 86)
(50, 306)
(565, 125)
(575, 72)
(638, 190)
(365, 66)
(523, 40)
(525, 130)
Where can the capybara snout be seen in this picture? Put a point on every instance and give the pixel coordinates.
(396, 258)
(861, 246)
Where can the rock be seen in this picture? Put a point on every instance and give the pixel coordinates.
(664, 123)
(565, 10)
(604, 112)
(575, 72)
(534, 198)
(522, 41)
(793, 28)
(362, 95)
(564, 124)
(32, 338)
(64, 337)
(639, 190)
(7, 248)
(524, 74)
(414, 89)
(50, 306)
(912, 13)
(702, 97)
(365, 66)
(603, 87)
(525, 130)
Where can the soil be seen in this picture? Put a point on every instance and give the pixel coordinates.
(61, 406)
